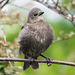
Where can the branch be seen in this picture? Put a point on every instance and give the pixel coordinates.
(1, 1)
(39, 61)
(58, 9)
(4, 3)
(64, 36)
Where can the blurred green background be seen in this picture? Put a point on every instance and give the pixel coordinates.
(60, 50)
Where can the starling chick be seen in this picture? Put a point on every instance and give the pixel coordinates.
(35, 37)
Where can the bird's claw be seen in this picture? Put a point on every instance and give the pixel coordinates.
(30, 60)
(48, 64)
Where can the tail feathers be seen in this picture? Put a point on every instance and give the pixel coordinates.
(34, 65)
(26, 66)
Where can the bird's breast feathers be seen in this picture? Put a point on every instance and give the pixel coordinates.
(39, 31)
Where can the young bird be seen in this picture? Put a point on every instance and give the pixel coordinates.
(35, 37)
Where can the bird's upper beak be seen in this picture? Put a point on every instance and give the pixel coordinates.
(40, 13)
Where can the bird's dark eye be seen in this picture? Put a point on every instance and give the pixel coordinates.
(35, 14)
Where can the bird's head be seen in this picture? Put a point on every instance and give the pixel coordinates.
(35, 15)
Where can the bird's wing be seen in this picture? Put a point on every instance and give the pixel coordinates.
(26, 24)
(24, 37)
(24, 33)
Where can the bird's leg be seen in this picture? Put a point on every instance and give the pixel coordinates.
(48, 59)
(30, 59)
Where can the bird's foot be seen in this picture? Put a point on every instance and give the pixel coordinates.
(30, 60)
(48, 64)
(47, 59)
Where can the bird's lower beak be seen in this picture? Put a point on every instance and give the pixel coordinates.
(40, 13)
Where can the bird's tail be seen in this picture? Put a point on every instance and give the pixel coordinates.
(34, 65)
(26, 65)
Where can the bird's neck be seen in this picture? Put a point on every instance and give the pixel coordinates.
(39, 19)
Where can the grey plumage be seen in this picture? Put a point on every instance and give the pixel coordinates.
(35, 37)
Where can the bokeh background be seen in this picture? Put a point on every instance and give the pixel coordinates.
(14, 15)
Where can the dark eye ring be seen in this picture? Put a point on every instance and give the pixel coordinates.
(35, 14)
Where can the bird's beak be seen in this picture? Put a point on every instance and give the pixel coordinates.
(40, 13)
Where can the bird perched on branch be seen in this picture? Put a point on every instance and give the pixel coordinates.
(35, 37)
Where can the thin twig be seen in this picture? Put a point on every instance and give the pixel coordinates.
(1, 1)
(39, 61)
(4, 32)
(59, 11)
(5, 2)
(62, 39)
(6, 41)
